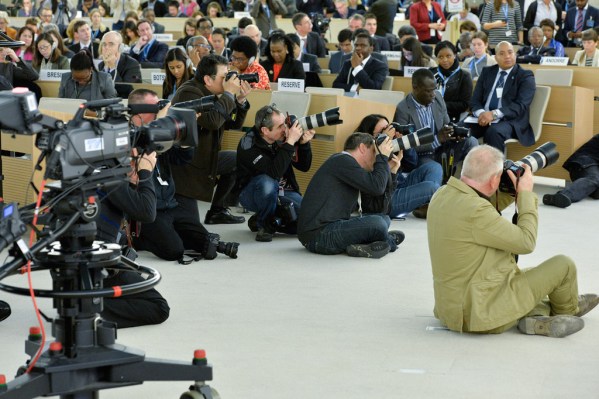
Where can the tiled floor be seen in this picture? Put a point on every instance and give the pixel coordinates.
(282, 323)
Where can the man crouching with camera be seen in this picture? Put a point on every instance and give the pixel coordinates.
(266, 156)
(177, 230)
(478, 285)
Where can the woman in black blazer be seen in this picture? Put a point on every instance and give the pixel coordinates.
(454, 83)
(279, 61)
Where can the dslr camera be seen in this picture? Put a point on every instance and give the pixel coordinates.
(213, 245)
(545, 155)
(459, 132)
(248, 77)
(412, 140)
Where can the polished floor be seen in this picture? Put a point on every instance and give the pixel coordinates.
(281, 323)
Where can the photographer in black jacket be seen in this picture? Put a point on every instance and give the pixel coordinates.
(177, 227)
(266, 156)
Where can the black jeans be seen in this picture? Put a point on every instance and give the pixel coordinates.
(225, 169)
(585, 182)
(173, 231)
(148, 307)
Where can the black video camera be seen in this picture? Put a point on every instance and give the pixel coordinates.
(545, 155)
(248, 77)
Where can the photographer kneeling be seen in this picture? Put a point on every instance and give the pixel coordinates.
(478, 284)
(266, 156)
(177, 226)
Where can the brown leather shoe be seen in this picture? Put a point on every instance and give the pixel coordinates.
(421, 212)
(586, 303)
(551, 326)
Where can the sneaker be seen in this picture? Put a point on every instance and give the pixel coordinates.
(253, 223)
(263, 235)
(558, 199)
(4, 310)
(374, 250)
(222, 216)
(551, 326)
(397, 235)
(586, 303)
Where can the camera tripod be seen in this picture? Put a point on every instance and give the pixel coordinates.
(85, 358)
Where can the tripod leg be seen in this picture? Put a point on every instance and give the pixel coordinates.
(27, 386)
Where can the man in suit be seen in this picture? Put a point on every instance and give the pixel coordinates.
(121, 67)
(362, 70)
(148, 51)
(478, 284)
(501, 101)
(310, 42)
(157, 6)
(197, 48)
(424, 107)
(304, 58)
(255, 34)
(84, 34)
(150, 15)
(579, 18)
(532, 54)
(345, 48)
(356, 21)
(380, 43)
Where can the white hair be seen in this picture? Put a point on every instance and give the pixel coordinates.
(482, 163)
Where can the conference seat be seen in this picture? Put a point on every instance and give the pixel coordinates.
(554, 77)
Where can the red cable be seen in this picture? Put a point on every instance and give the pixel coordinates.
(31, 291)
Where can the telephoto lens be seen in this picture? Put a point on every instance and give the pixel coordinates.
(545, 155)
(329, 117)
(419, 137)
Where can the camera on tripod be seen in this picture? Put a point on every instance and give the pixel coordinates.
(248, 77)
(545, 155)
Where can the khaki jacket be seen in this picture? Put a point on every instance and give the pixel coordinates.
(472, 251)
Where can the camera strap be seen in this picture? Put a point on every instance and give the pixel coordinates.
(189, 256)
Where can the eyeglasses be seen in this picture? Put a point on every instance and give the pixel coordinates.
(44, 47)
(204, 27)
(202, 45)
(238, 59)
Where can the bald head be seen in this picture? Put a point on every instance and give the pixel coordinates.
(254, 33)
(504, 55)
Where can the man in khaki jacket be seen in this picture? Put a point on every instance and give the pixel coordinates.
(478, 285)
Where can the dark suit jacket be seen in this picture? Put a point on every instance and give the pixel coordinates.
(381, 44)
(427, 48)
(570, 23)
(524, 57)
(128, 70)
(158, 28)
(160, 8)
(312, 60)
(155, 58)
(531, 13)
(385, 11)
(336, 62)
(76, 47)
(290, 70)
(378, 56)
(315, 45)
(371, 76)
(518, 92)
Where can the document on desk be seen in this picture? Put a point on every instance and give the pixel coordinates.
(474, 119)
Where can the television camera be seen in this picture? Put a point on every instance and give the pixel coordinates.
(83, 156)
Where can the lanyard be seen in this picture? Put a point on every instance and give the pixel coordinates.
(95, 34)
(474, 65)
(146, 50)
(505, 10)
(444, 80)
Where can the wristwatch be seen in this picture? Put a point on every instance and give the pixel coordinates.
(495, 114)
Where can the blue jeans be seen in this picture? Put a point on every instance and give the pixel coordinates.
(416, 189)
(585, 182)
(337, 236)
(261, 194)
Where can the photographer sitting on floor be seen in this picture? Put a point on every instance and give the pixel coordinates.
(266, 156)
(177, 226)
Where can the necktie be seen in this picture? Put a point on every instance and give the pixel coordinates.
(494, 103)
(579, 21)
(304, 50)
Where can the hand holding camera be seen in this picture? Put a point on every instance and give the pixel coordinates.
(294, 133)
(525, 182)
(395, 162)
(386, 146)
(445, 133)
(307, 136)
(232, 84)
(244, 90)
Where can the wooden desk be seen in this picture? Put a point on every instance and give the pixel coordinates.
(17, 170)
(328, 139)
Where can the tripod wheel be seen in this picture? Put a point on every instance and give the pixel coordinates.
(198, 395)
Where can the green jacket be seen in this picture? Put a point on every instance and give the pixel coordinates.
(472, 251)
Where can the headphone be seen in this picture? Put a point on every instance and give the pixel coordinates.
(188, 63)
(54, 45)
(251, 61)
